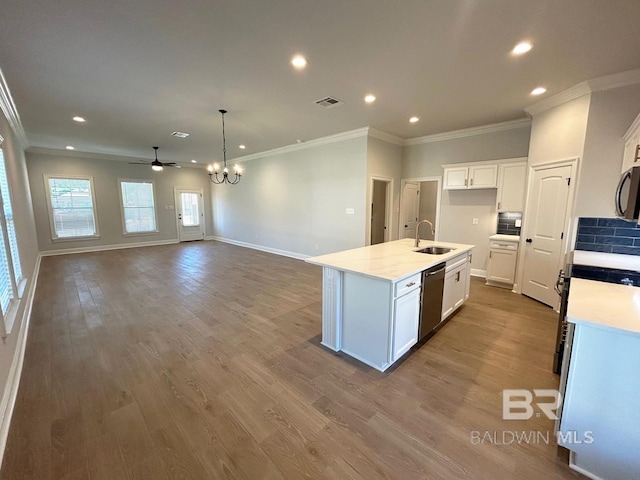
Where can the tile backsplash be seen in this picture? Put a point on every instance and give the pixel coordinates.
(507, 223)
(610, 235)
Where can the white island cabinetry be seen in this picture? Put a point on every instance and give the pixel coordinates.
(456, 285)
(371, 298)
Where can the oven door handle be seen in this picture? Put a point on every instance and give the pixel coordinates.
(559, 283)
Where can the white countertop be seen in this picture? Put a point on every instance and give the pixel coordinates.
(505, 238)
(391, 260)
(604, 304)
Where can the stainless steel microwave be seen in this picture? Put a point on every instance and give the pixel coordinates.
(628, 194)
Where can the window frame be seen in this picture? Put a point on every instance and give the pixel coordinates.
(155, 207)
(8, 318)
(54, 237)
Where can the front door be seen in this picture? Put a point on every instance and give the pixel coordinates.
(546, 220)
(410, 207)
(190, 214)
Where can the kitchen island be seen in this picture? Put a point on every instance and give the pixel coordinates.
(599, 422)
(371, 296)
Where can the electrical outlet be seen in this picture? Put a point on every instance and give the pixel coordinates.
(518, 223)
(475, 221)
(350, 211)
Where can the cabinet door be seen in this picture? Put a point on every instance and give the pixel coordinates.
(511, 187)
(502, 266)
(405, 323)
(455, 178)
(455, 290)
(631, 152)
(483, 176)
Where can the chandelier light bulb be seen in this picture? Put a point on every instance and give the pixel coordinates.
(210, 168)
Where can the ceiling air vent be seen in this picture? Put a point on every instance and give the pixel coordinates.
(179, 134)
(329, 102)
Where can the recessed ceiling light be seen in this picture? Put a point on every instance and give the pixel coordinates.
(299, 62)
(79, 119)
(69, 147)
(414, 119)
(241, 147)
(538, 91)
(370, 98)
(522, 47)
(194, 161)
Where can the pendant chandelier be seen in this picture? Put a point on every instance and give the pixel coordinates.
(214, 170)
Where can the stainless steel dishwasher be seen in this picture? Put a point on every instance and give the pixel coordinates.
(431, 301)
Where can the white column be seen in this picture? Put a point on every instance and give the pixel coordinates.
(332, 308)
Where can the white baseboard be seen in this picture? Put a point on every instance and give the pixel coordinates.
(476, 272)
(100, 248)
(262, 248)
(13, 379)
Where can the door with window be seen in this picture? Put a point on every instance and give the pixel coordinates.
(189, 214)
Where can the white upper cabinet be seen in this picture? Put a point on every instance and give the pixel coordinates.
(511, 187)
(483, 176)
(456, 178)
(470, 177)
(632, 146)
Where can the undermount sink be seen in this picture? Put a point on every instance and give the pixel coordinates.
(435, 250)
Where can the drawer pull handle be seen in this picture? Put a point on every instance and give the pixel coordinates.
(411, 284)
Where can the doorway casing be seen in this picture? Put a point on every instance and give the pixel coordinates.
(436, 227)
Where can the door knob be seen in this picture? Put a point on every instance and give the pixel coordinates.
(528, 240)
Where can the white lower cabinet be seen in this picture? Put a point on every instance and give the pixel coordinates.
(406, 314)
(455, 286)
(501, 267)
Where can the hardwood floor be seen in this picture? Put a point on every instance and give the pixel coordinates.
(202, 361)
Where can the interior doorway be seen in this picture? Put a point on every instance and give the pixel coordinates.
(381, 196)
(420, 200)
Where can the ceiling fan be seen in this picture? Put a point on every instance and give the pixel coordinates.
(157, 164)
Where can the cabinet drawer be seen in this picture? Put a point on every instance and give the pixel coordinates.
(408, 284)
(503, 245)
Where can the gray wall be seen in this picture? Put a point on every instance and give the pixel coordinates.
(25, 231)
(459, 208)
(105, 175)
(384, 159)
(611, 112)
(296, 201)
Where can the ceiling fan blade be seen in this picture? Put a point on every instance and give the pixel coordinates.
(169, 164)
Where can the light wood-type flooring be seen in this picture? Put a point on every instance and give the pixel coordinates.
(203, 361)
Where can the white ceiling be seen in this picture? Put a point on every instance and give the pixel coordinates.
(139, 70)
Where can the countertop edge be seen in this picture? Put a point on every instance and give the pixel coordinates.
(435, 260)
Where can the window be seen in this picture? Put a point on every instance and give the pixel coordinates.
(138, 206)
(71, 207)
(10, 269)
(190, 211)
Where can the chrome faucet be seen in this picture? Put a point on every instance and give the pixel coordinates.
(418, 231)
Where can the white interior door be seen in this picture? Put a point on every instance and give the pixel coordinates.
(410, 208)
(546, 218)
(189, 214)
(379, 212)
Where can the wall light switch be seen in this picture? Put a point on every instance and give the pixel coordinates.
(350, 211)
(475, 221)
(518, 223)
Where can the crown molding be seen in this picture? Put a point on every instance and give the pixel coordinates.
(11, 112)
(338, 137)
(470, 132)
(572, 93)
(99, 156)
(387, 137)
(608, 82)
(617, 80)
